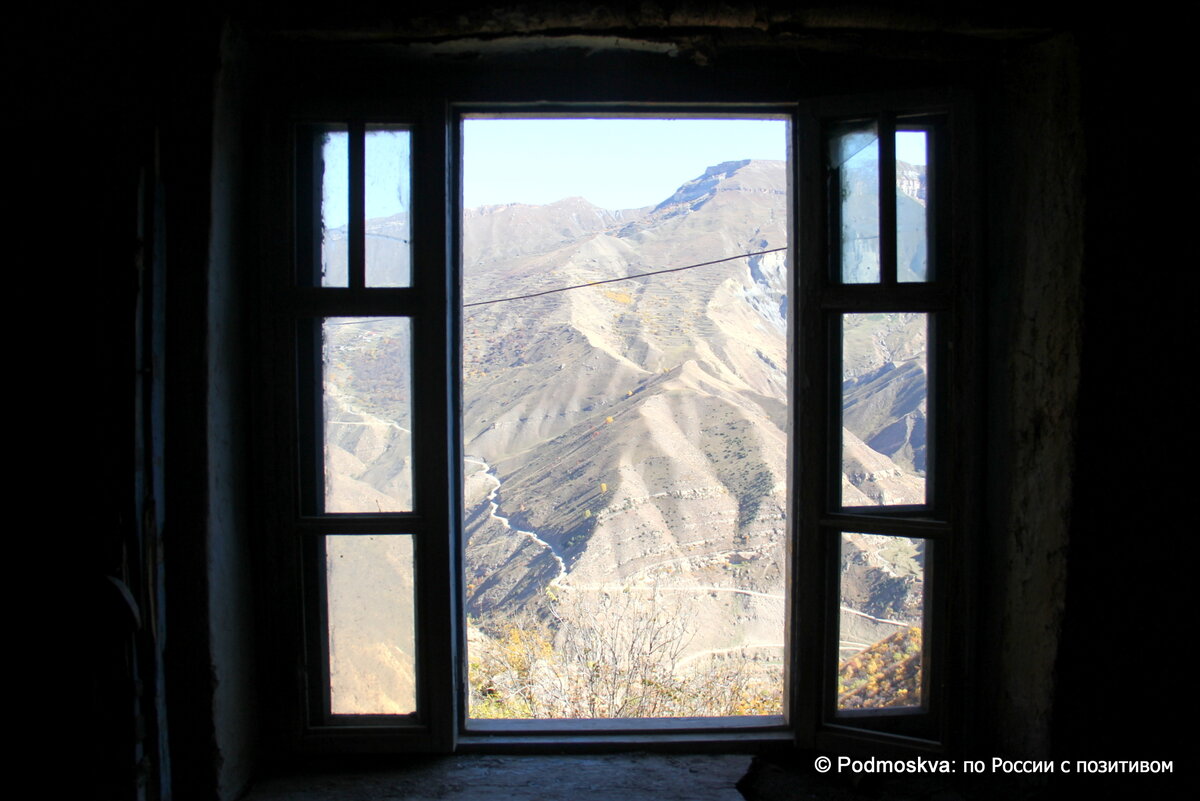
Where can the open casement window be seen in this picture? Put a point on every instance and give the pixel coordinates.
(887, 425)
(366, 316)
(880, 416)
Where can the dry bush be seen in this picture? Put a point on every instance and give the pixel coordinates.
(610, 655)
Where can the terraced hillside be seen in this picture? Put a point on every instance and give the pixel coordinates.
(627, 444)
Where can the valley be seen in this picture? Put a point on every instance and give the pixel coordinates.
(626, 474)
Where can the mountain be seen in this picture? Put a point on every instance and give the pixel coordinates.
(515, 230)
(629, 439)
(386, 252)
(860, 219)
(626, 420)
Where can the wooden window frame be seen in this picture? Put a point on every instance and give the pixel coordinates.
(294, 531)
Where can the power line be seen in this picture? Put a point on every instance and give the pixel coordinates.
(623, 278)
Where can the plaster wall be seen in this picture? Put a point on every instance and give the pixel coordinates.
(1035, 171)
(230, 602)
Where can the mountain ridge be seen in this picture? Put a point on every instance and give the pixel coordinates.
(633, 437)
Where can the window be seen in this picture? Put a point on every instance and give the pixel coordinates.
(624, 418)
(368, 330)
(885, 348)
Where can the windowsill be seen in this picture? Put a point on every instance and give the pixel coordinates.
(596, 777)
(709, 726)
(739, 735)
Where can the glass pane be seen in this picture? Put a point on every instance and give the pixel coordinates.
(335, 257)
(367, 382)
(882, 627)
(912, 195)
(626, 443)
(885, 398)
(855, 156)
(372, 638)
(388, 199)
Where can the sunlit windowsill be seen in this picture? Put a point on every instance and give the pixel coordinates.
(706, 725)
(732, 734)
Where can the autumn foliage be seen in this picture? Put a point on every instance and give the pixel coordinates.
(885, 675)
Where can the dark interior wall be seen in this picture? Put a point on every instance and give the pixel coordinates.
(200, 115)
(1128, 599)
(1034, 170)
(1064, 243)
(94, 81)
(230, 574)
(141, 181)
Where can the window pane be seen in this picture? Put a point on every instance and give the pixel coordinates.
(884, 405)
(627, 442)
(388, 199)
(882, 627)
(367, 383)
(372, 641)
(335, 157)
(912, 195)
(855, 156)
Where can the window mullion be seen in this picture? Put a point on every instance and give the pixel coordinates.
(357, 206)
(437, 482)
(888, 524)
(343, 302)
(817, 216)
(887, 199)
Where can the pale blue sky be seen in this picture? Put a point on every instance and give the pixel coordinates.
(614, 163)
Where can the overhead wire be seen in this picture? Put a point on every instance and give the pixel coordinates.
(592, 283)
(622, 278)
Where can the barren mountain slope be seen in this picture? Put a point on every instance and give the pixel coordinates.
(631, 437)
(639, 427)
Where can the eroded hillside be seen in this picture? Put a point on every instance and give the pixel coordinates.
(627, 445)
